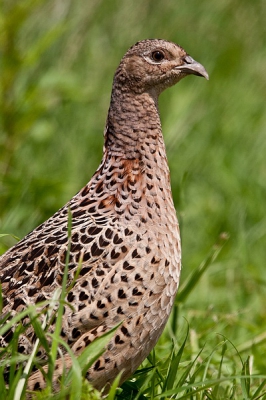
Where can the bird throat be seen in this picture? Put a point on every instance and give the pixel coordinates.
(133, 125)
(134, 173)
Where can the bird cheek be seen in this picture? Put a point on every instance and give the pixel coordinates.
(134, 68)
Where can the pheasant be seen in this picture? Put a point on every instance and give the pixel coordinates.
(124, 229)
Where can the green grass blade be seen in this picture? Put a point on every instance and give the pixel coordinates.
(112, 391)
(3, 389)
(193, 279)
(258, 395)
(245, 382)
(39, 331)
(9, 234)
(224, 348)
(174, 364)
(188, 371)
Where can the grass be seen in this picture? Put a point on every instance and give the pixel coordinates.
(56, 76)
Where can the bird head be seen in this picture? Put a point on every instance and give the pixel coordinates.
(153, 65)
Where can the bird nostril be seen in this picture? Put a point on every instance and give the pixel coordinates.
(188, 60)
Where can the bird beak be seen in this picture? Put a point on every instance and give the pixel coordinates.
(191, 66)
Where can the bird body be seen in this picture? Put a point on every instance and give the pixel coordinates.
(124, 229)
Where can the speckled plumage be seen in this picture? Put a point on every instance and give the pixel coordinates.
(124, 228)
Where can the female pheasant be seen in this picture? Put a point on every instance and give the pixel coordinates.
(124, 229)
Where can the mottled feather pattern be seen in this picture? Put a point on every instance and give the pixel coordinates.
(124, 230)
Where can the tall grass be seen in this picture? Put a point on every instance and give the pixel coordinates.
(57, 63)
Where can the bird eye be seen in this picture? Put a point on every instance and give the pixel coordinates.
(157, 56)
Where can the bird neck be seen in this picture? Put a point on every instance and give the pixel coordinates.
(134, 173)
(133, 127)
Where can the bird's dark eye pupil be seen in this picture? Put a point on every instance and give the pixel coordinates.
(157, 56)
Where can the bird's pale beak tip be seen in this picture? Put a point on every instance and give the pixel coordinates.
(200, 70)
(192, 67)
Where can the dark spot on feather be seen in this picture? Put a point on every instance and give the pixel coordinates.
(36, 252)
(94, 230)
(102, 242)
(118, 340)
(94, 283)
(114, 254)
(75, 333)
(95, 250)
(128, 232)
(135, 254)
(136, 292)
(117, 239)
(125, 331)
(84, 270)
(109, 233)
(85, 202)
(99, 272)
(86, 257)
(83, 296)
(127, 266)
(121, 294)
(85, 191)
(100, 304)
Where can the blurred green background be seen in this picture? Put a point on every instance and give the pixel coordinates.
(57, 62)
